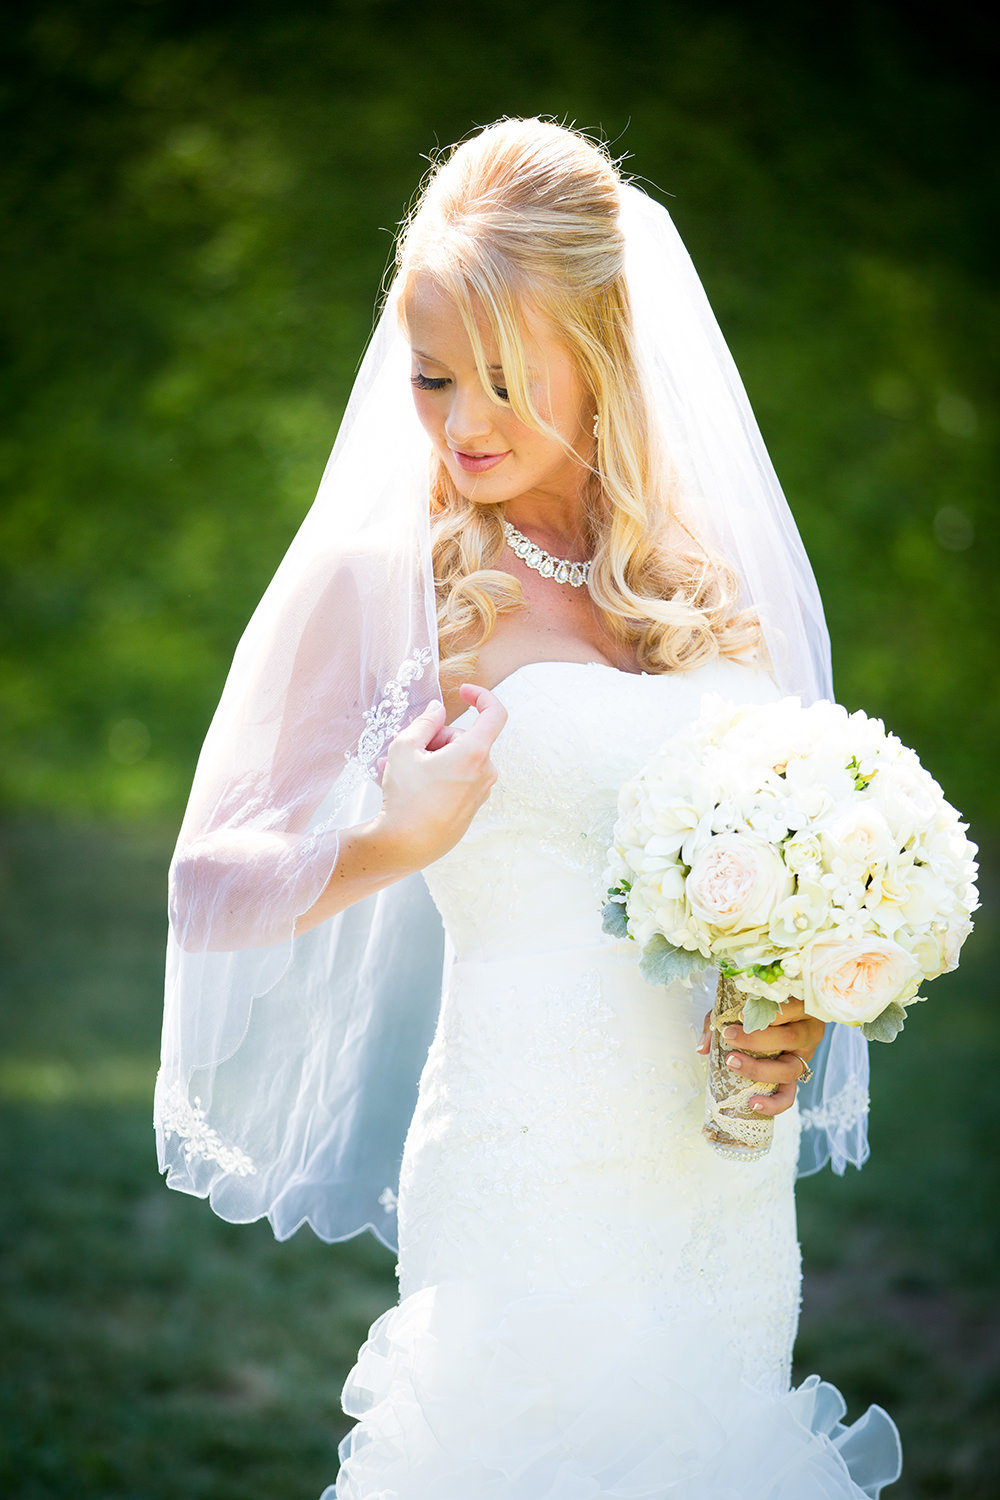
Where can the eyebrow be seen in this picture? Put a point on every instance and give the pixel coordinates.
(421, 355)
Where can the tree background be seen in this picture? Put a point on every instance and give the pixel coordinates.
(200, 202)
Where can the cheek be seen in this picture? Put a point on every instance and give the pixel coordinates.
(430, 412)
(563, 403)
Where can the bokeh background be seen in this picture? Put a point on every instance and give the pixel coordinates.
(199, 202)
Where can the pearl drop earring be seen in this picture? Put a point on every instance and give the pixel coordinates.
(597, 424)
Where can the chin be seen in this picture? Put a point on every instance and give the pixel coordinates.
(483, 488)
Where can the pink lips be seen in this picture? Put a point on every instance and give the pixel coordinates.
(478, 463)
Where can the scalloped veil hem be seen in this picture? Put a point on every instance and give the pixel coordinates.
(546, 1397)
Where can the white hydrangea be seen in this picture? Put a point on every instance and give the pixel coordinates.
(805, 849)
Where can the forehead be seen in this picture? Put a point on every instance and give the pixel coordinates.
(433, 320)
(434, 325)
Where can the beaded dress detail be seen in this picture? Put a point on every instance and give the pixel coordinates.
(594, 1305)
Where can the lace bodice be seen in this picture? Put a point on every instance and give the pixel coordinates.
(580, 1274)
(528, 870)
(557, 1137)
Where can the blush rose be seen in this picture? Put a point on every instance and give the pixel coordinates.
(736, 882)
(853, 980)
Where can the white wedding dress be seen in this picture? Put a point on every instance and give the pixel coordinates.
(593, 1303)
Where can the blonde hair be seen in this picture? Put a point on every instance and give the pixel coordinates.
(524, 215)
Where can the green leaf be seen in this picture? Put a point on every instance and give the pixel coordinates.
(886, 1026)
(758, 1012)
(615, 920)
(661, 963)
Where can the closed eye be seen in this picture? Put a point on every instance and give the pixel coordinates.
(426, 383)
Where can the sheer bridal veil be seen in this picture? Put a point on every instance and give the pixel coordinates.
(290, 1063)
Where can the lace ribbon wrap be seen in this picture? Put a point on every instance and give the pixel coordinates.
(730, 1124)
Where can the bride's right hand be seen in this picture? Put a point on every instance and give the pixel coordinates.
(436, 777)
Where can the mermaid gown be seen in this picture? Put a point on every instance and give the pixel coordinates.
(594, 1305)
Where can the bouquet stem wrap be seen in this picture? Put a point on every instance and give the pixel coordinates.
(730, 1124)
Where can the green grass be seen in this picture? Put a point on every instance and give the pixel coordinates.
(154, 1352)
(150, 1349)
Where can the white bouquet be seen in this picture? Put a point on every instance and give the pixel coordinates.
(805, 852)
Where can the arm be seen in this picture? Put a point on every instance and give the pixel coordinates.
(434, 782)
(435, 779)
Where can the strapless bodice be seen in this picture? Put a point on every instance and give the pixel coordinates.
(528, 871)
(580, 1274)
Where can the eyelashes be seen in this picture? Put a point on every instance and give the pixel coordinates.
(425, 383)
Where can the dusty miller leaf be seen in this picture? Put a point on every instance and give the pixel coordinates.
(758, 1012)
(886, 1026)
(615, 919)
(661, 963)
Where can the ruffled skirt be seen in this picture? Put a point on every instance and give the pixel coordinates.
(542, 1399)
(595, 1305)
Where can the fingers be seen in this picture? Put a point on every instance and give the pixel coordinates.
(774, 1104)
(491, 715)
(421, 730)
(443, 736)
(795, 1035)
(788, 1068)
(787, 1034)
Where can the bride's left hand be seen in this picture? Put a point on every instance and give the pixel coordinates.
(795, 1035)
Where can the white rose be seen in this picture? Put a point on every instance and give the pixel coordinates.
(937, 951)
(954, 936)
(860, 835)
(926, 951)
(907, 796)
(803, 853)
(855, 979)
(736, 883)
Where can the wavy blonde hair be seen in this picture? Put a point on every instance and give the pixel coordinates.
(523, 217)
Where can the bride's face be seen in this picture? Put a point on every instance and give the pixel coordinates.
(490, 454)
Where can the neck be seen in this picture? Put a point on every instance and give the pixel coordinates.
(557, 527)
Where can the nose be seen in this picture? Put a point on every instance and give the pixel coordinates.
(470, 419)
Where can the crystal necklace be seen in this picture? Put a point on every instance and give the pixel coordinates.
(559, 568)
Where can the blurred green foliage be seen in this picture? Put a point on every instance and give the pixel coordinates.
(199, 210)
(199, 203)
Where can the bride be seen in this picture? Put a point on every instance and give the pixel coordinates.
(386, 897)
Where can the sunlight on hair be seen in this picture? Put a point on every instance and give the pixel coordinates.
(522, 218)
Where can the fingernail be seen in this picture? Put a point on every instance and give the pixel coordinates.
(756, 1104)
(734, 1061)
(730, 1032)
(434, 706)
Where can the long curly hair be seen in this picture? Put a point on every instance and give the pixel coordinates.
(524, 214)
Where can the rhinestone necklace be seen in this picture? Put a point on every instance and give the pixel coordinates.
(559, 568)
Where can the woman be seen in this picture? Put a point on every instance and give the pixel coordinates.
(502, 602)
